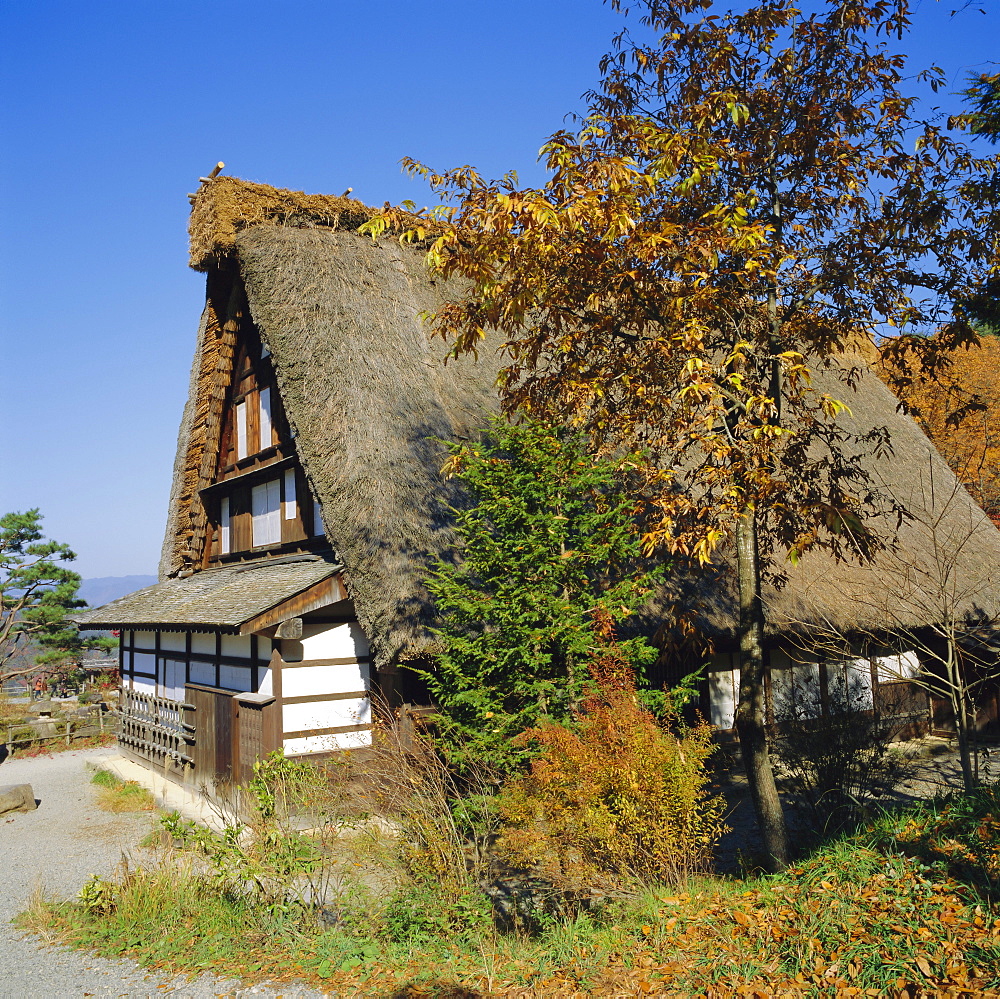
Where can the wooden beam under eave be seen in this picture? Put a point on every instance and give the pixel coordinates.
(326, 591)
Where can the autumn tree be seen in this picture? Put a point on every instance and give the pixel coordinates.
(959, 410)
(957, 402)
(749, 191)
(37, 594)
(983, 119)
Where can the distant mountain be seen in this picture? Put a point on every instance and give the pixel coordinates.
(98, 592)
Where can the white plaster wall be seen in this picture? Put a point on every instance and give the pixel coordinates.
(723, 692)
(144, 640)
(796, 692)
(334, 641)
(850, 684)
(326, 714)
(235, 677)
(905, 666)
(173, 641)
(266, 683)
(304, 681)
(203, 643)
(263, 647)
(171, 679)
(144, 662)
(237, 646)
(146, 686)
(203, 673)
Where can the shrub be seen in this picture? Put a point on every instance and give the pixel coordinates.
(617, 802)
(834, 768)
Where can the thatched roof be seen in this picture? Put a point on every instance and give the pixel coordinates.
(366, 390)
(942, 559)
(368, 394)
(216, 599)
(225, 206)
(369, 398)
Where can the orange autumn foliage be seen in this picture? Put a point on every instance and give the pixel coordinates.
(959, 410)
(616, 801)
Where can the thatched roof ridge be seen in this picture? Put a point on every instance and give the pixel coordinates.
(225, 206)
(369, 397)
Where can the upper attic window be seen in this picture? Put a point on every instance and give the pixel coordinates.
(253, 422)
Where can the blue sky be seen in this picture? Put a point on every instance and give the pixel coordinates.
(113, 110)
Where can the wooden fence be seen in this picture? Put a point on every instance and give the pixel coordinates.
(154, 728)
(213, 737)
(80, 730)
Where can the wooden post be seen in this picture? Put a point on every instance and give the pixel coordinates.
(277, 712)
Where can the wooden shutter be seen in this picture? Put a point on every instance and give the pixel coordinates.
(265, 507)
(265, 418)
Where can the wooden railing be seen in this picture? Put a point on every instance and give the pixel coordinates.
(154, 727)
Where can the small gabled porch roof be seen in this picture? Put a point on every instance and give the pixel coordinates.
(243, 597)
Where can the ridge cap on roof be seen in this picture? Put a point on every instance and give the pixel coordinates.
(224, 206)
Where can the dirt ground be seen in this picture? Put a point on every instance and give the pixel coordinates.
(936, 770)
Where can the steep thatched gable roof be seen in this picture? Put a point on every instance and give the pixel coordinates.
(943, 558)
(368, 394)
(369, 398)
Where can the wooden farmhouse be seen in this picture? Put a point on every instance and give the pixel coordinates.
(307, 497)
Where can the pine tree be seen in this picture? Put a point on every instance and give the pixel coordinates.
(550, 560)
(36, 595)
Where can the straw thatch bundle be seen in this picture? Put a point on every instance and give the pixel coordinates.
(225, 206)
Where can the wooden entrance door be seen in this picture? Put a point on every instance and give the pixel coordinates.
(215, 727)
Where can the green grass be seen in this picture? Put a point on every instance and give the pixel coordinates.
(906, 904)
(117, 795)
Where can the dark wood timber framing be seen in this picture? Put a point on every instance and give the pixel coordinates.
(327, 591)
(335, 730)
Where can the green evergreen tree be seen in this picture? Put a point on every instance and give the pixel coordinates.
(36, 595)
(549, 562)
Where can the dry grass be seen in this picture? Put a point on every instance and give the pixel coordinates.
(118, 796)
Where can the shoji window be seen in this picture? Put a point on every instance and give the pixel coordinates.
(241, 430)
(225, 526)
(265, 509)
(291, 507)
(265, 418)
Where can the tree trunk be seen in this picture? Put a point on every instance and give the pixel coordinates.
(750, 711)
(959, 706)
(959, 702)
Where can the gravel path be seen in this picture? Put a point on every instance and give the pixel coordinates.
(57, 848)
